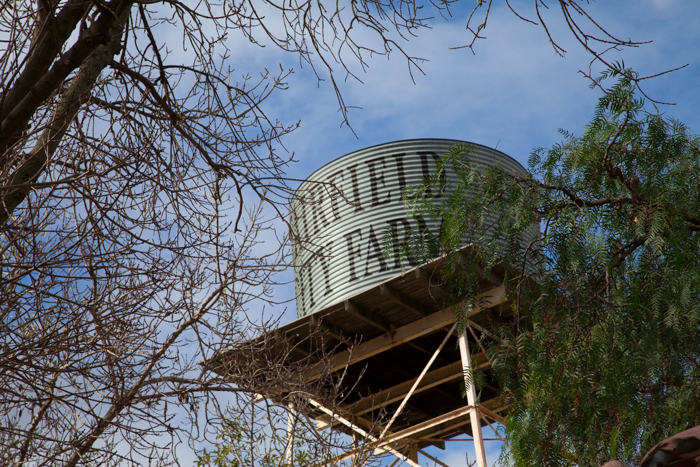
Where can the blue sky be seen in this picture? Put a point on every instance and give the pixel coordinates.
(514, 93)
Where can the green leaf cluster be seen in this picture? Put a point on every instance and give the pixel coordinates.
(258, 436)
(599, 357)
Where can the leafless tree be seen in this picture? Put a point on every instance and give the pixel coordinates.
(588, 32)
(133, 236)
(141, 206)
(141, 200)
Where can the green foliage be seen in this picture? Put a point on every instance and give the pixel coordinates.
(240, 444)
(601, 358)
(258, 437)
(244, 444)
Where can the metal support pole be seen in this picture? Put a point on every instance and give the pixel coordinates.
(289, 448)
(471, 398)
(417, 382)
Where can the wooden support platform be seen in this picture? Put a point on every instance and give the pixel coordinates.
(397, 326)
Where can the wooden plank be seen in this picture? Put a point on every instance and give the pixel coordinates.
(405, 333)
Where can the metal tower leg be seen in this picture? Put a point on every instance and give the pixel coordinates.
(289, 448)
(474, 415)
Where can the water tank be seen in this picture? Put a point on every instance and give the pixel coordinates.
(342, 212)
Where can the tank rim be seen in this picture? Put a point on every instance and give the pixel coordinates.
(394, 142)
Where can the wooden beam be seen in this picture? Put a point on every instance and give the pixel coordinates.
(297, 346)
(449, 416)
(405, 333)
(378, 322)
(447, 428)
(395, 393)
(359, 430)
(437, 461)
(402, 300)
(324, 421)
(460, 412)
(493, 415)
(367, 316)
(402, 435)
(492, 278)
(413, 452)
(330, 328)
(393, 364)
(408, 375)
(495, 407)
(485, 418)
(422, 274)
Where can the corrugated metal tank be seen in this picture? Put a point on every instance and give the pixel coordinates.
(341, 213)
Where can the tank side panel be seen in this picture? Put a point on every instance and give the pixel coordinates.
(341, 215)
